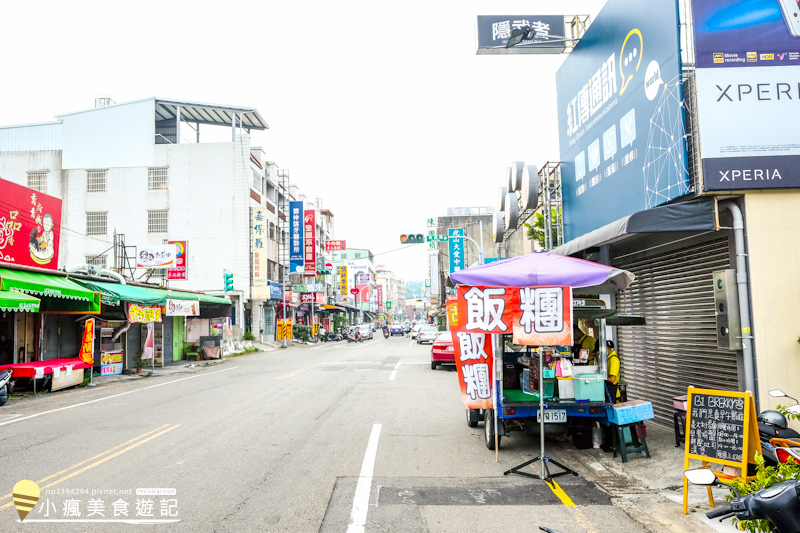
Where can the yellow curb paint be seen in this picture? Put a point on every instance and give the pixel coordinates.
(559, 492)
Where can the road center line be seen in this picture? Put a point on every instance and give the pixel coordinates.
(113, 396)
(394, 373)
(559, 492)
(358, 516)
(290, 374)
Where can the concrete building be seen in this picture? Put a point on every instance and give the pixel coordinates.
(394, 292)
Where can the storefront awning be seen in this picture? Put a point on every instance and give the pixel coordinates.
(57, 294)
(207, 298)
(173, 295)
(695, 215)
(115, 293)
(18, 301)
(333, 308)
(43, 285)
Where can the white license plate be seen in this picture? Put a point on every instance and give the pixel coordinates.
(554, 416)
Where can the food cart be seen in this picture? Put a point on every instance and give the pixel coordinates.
(571, 408)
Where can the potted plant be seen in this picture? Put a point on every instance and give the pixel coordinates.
(140, 363)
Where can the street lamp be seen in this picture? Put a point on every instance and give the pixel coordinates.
(526, 33)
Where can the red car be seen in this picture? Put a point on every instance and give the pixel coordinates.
(442, 350)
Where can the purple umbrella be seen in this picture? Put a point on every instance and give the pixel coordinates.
(544, 268)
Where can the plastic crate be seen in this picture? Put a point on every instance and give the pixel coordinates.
(566, 388)
(549, 385)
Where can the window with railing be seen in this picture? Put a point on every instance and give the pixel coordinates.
(97, 223)
(38, 180)
(157, 179)
(96, 180)
(98, 260)
(157, 221)
(257, 181)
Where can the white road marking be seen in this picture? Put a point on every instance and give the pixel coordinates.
(412, 343)
(114, 396)
(394, 373)
(358, 516)
(397, 365)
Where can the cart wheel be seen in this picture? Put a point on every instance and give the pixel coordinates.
(433, 365)
(488, 434)
(473, 417)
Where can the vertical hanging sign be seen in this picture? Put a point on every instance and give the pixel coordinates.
(310, 243)
(295, 235)
(180, 270)
(258, 241)
(343, 280)
(456, 247)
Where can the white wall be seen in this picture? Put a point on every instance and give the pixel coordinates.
(46, 136)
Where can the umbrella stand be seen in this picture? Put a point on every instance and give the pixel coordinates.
(545, 474)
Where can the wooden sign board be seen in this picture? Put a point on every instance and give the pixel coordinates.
(721, 428)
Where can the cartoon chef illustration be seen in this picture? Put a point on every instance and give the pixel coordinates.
(41, 242)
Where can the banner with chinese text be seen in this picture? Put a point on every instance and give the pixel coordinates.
(143, 313)
(343, 280)
(335, 246)
(473, 353)
(536, 316)
(87, 345)
(295, 235)
(310, 243)
(180, 270)
(258, 243)
(30, 226)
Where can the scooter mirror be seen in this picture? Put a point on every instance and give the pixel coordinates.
(795, 409)
(777, 393)
(700, 476)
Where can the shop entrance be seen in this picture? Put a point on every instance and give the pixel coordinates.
(7, 338)
(26, 338)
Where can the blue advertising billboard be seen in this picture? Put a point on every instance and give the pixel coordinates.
(455, 249)
(620, 116)
(296, 258)
(748, 59)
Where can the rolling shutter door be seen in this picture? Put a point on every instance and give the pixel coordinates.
(678, 346)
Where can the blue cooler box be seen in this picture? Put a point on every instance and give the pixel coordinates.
(589, 387)
(630, 412)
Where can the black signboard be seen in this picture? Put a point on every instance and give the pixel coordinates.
(717, 426)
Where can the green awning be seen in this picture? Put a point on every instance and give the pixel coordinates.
(43, 285)
(115, 293)
(208, 299)
(18, 301)
(173, 295)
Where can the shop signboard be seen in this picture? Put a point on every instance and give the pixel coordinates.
(335, 246)
(343, 280)
(380, 295)
(258, 242)
(143, 314)
(456, 249)
(30, 226)
(620, 116)
(295, 236)
(306, 297)
(275, 290)
(182, 307)
(494, 31)
(181, 269)
(87, 344)
(746, 97)
(111, 363)
(156, 256)
(309, 243)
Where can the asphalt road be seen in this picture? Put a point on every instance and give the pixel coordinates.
(332, 438)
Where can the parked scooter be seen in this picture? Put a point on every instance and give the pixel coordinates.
(774, 432)
(5, 386)
(354, 336)
(778, 503)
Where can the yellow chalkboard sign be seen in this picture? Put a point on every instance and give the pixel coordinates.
(721, 428)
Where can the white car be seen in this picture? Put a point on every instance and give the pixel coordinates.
(415, 330)
(427, 334)
(366, 331)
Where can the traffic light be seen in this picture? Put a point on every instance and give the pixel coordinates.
(228, 281)
(412, 238)
(323, 272)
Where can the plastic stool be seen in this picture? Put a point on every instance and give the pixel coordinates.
(679, 420)
(639, 443)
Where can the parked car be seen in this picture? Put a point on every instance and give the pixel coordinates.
(442, 350)
(396, 329)
(427, 334)
(366, 331)
(415, 331)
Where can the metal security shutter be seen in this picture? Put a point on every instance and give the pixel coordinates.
(678, 346)
(67, 343)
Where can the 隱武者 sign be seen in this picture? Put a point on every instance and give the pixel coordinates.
(30, 226)
(143, 313)
(182, 307)
(156, 256)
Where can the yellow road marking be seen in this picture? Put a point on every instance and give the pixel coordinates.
(296, 372)
(559, 492)
(101, 461)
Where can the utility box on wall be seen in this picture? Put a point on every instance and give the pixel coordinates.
(726, 310)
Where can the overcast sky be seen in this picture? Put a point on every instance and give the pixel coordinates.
(381, 109)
